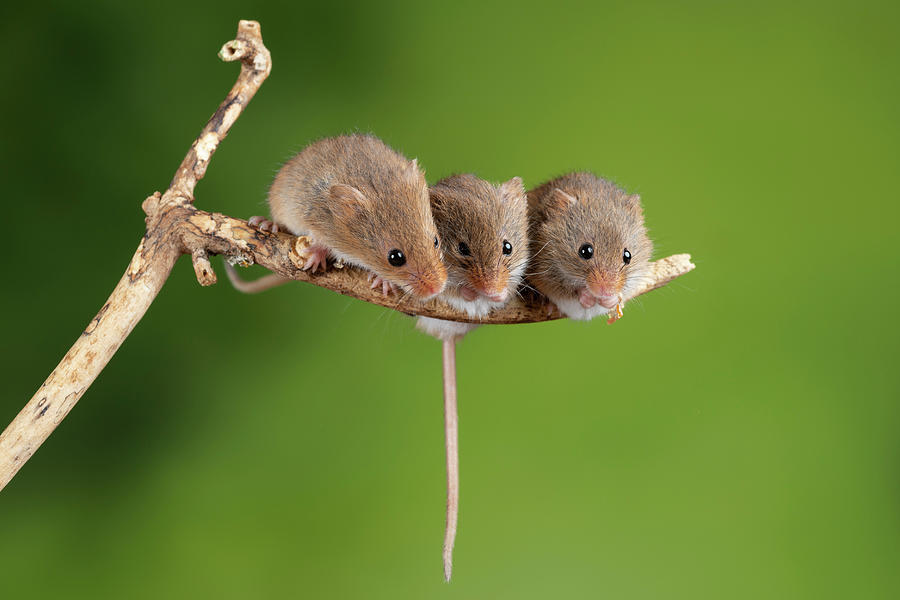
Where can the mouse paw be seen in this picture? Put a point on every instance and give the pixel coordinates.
(551, 308)
(263, 224)
(386, 286)
(317, 257)
(586, 300)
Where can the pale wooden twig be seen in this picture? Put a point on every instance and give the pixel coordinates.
(148, 270)
(284, 254)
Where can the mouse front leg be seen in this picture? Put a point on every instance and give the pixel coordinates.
(551, 308)
(548, 306)
(377, 280)
(586, 299)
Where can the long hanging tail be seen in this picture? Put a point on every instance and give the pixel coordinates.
(256, 286)
(451, 429)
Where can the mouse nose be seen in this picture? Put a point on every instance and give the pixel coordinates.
(432, 289)
(426, 291)
(429, 284)
(496, 296)
(492, 286)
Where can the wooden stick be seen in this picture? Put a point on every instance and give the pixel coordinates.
(149, 268)
(284, 255)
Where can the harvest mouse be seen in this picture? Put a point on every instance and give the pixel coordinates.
(365, 204)
(484, 236)
(589, 246)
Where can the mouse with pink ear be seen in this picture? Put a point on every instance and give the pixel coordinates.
(484, 236)
(589, 246)
(365, 204)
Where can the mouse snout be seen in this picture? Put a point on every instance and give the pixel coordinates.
(493, 286)
(428, 284)
(495, 295)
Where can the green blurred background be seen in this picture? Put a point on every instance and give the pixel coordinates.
(734, 436)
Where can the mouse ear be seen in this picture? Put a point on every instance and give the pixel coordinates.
(348, 200)
(633, 203)
(559, 201)
(512, 191)
(416, 173)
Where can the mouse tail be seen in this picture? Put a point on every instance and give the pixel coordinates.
(256, 286)
(451, 431)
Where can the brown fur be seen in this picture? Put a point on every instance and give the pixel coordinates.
(579, 208)
(471, 210)
(361, 199)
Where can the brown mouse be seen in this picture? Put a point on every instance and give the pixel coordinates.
(484, 237)
(483, 230)
(363, 203)
(589, 246)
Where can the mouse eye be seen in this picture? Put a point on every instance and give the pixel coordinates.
(507, 247)
(396, 258)
(586, 251)
(435, 242)
(626, 256)
(464, 249)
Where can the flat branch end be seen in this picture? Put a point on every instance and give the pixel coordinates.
(249, 27)
(233, 50)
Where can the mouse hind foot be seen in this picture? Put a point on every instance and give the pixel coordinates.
(316, 258)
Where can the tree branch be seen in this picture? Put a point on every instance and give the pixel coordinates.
(284, 254)
(176, 227)
(149, 268)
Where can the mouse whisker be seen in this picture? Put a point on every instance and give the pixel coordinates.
(540, 250)
(532, 273)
